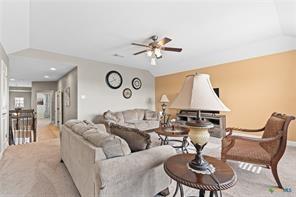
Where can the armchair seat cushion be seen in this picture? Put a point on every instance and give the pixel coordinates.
(247, 151)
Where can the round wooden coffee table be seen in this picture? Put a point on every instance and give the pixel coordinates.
(178, 131)
(223, 178)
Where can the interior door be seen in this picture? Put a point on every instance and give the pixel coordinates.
(4, 113)
(59, 108)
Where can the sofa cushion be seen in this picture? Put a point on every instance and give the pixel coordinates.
(71, 123)
(140, 113)
(100, 127)
(130, 115)
(81, 127)
(136, 139)
(95, 137)
(151, 115)
(128, 124)
(114, 146)
(119, 116)
(110, 116)
(144, 125)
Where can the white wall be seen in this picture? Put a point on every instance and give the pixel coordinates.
(44, 86)
(24, 92)
(69, 80)
(91, 84)
(99, 97)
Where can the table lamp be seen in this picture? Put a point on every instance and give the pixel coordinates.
(197, 94)
(164, 102)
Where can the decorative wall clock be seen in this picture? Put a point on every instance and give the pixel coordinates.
(136, 83)
(114, 79)
(127, 93)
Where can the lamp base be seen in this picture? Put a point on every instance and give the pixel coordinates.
(199, 164)
(203, 166)
(199, 136)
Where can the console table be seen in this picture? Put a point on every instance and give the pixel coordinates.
(218, 120)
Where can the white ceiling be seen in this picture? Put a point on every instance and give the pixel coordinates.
(209, 31)
(24, 70)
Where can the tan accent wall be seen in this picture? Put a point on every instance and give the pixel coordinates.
(252, 88)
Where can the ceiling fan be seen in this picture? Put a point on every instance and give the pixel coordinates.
(155, 47)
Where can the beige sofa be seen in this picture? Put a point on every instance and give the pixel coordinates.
(142, 119)
(84, 153)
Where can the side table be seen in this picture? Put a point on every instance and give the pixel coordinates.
(165, 132)
(223, 178)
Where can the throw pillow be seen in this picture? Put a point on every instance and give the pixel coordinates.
(136, 139)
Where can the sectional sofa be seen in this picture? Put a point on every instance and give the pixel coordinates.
(103, 165)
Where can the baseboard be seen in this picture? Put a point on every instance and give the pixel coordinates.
(289, 142)
(1, 154)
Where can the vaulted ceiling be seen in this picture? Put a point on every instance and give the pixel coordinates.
(210, 32)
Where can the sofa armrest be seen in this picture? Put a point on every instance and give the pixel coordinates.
(118, 169)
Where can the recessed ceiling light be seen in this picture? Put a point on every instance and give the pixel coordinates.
(46, 76)
(53, 69)
(12, 79)
(118, 55)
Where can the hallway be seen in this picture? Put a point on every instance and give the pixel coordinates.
(46, 130)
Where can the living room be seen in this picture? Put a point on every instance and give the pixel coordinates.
(122, 87)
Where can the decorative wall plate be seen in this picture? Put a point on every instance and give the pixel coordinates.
(127, 93)
(136, 83)
(114, 79)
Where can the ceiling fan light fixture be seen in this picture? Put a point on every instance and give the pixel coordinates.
(153, 61)
(157, 53)
(149, 53)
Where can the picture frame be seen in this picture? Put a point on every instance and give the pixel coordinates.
(67, 97)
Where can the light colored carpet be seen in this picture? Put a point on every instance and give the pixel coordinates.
(35, 170)
(46, 130)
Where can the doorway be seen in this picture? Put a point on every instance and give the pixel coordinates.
(45, 106)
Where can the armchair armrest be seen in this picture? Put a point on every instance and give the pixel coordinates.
(114, 170)
(270, 139)
(231, 129)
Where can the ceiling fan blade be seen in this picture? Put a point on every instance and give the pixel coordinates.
(164, 41)
(141, 45)
(140, 52)
(171, 49)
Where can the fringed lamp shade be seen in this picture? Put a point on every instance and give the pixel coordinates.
(197, 93)
(164, 99)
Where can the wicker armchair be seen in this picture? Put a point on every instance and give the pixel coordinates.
(267, 150)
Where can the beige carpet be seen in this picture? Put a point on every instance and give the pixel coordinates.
(34, 170)
(46, 130)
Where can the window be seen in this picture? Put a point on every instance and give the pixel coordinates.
(19, 102)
